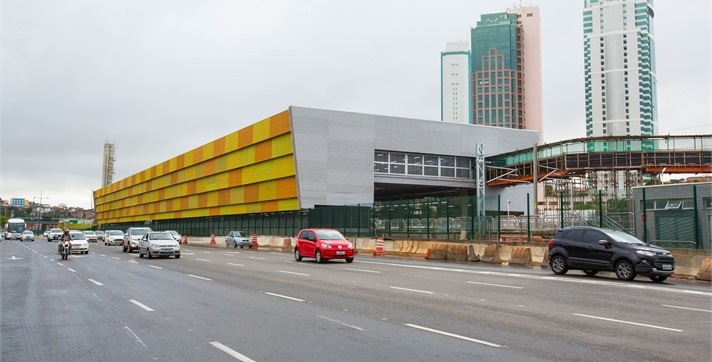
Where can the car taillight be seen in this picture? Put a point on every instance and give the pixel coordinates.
(551, 243)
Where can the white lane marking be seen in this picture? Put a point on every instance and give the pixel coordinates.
(141, 305)
(155, 267)
(132, 334)
(340, 322)
(201, 259)
(72, 270)
(207, 252)
(364, 270)
(116, 258)
(231, 352)
(187, 253)
(454, 335)
(199, 277)
(553, 278)
(288, 272)
(284, 296)
(133, 261)
(254, 257)
(496, 285)
(95, 282)
(102, 254)
(58, 263)
(687, 308)
(627, 322)
(233, 264)
(413, 290)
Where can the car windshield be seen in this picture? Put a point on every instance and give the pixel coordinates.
(160, 236)
(139, 231)
(27, 232)
(77, 236)
(89, 233)
(329, 235)
(115, 232)
(624, 238)
(56, 231)
(236, 233)
(172, 232)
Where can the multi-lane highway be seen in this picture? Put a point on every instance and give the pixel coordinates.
(216, 304)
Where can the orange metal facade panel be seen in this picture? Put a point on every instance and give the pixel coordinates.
(252, 193)
(263, 151)
(279, 124)
(244, 137)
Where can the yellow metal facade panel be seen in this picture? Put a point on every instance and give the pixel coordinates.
(211, 179)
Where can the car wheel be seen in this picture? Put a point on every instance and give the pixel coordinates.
(625, 270)
(148, 253)
(558, 265)
(297, 255)
(177, 256)
(123, 247)
(590, 272)
(140, 254)
(86, 252)
(658, 278)
(349, 260)
(318, 257)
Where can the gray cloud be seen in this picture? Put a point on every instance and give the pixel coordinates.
(159, 78)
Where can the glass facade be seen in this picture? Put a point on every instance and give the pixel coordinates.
(414, 164)
(496, 66)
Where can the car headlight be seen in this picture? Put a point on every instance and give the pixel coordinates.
(325, 246)
(646, 253)
(155, 246)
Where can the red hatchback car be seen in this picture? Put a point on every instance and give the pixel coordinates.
(322, 245)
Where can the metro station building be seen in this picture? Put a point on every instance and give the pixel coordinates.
(301, 159)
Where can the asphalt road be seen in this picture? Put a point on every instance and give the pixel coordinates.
(217, 304)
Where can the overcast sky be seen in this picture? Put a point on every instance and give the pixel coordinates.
(158, 78)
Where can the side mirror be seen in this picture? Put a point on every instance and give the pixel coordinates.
(605, 243)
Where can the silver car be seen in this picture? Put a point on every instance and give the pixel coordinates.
(238, 238)
(90, 235)
(158, 243)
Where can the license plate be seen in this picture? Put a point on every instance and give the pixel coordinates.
(667, 267)
(340, 253)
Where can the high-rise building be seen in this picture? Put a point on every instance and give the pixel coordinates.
(619, 57)
(107, 171)
(455, 70)
(506, 70)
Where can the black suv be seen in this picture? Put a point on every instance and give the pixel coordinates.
(592, 250)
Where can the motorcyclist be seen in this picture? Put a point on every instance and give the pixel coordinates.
(64, 237)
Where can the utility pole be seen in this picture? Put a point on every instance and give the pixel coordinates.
(39, 212)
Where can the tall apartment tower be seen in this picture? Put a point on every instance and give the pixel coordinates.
(619, 57)
(506, 70)
(455, 70)
(107, 170)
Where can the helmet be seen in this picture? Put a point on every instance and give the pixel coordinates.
(66, 231)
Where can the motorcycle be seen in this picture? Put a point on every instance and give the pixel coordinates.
(64, 251)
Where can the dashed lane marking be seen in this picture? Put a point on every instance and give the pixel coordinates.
(454, 335)
(231, 352)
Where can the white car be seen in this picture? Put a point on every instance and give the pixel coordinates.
(113, 237)
(28, 235)
(90, 235)
(158, 244)
(79, 242)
